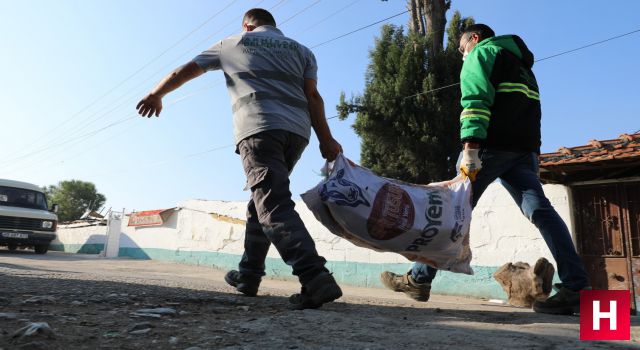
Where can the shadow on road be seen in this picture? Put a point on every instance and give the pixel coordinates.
(96, 313)
(56, 256)
(30, 268)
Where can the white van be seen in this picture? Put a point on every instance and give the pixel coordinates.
(25, 218)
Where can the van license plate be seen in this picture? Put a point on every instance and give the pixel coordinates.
(14, 235)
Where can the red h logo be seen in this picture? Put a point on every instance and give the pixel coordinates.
(604, 315)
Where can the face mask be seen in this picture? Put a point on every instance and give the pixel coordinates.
(465, 53)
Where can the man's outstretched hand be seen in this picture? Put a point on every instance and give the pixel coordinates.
(150, 105)
(329, 149)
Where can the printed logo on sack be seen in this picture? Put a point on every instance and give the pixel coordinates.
(605, 315)
(456, 232)
(343, 192)
(393, 213)
(433, 215)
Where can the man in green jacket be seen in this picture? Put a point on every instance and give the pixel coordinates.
(500, 132)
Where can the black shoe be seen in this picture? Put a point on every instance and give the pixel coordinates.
(247, 285)
(322, 289)
(564, 302)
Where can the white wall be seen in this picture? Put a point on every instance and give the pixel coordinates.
(499, 232)
(230, 236)
(70, 235)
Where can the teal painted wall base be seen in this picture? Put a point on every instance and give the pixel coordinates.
(479, 285)
(94, 248)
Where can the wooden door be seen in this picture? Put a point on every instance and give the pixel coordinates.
(632, 192)
(603, 235)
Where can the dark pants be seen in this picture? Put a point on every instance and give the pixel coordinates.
(268, 158)
(518, 173)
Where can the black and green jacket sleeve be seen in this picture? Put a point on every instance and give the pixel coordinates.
(477, 94)
(500, 99)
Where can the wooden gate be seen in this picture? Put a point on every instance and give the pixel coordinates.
(632, 191)
(607, 218)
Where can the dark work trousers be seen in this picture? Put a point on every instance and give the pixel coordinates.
(518, 172)
(268, 159)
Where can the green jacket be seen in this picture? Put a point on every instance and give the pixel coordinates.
(500, 99)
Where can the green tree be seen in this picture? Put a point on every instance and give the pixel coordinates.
(74, 197)
(408, 125)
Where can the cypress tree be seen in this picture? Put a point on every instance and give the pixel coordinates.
(407, 131)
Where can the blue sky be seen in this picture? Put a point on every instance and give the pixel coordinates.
(60, 56)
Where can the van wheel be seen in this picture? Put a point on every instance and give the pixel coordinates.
(42, 249)
(12, 247)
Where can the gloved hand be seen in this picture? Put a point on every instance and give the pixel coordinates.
(471, 163)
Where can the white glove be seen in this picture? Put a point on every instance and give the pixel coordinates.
(471, 163)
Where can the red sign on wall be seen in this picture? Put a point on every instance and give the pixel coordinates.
(149, 217)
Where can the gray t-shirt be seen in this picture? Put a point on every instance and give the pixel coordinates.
(265, 74)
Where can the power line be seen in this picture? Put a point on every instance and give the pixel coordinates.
(277, 5)
(432, 90)
(91, 104)
(178, 42)
(82, 137)
(163, 69)
(298, 13)
(98, 115)
(589, 45)
(41, 162)
(538, 60)
(83, 126)
(94, 132)
(54, 143)
(74, 139)
(359, 29)
(176, 159)
(406, 97)
(87, 136)
(172, 103)
(329, 16)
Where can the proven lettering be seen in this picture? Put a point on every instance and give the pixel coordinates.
(433, 214)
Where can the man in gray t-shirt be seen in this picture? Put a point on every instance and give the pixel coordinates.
(272, 82)
(265, 73)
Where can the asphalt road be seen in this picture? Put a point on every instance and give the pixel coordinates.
(90, 302)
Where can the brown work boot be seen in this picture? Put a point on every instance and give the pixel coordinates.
(406, 284)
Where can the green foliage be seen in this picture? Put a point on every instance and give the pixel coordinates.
(74, 198)
(407, 133)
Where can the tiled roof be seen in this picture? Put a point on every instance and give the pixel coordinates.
(626, 147)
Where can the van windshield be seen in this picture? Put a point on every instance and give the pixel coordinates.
(19, 197)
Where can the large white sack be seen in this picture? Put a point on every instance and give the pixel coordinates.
(429, 224)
